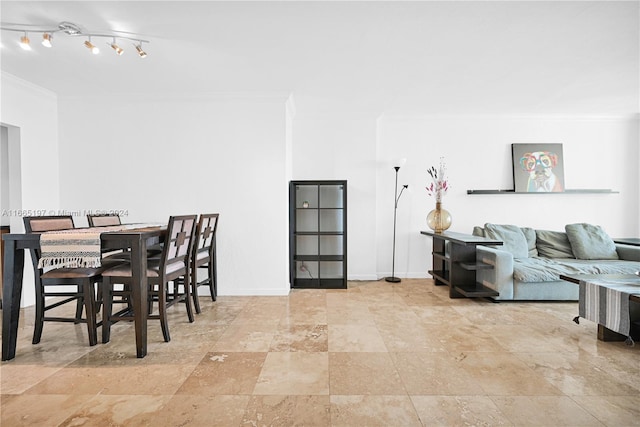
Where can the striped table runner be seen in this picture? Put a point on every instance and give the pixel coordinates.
(78, 247)
(606, 302)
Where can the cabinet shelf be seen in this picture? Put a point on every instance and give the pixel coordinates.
(326, 283)
(319, 209)
(318, 233)
(319, 257)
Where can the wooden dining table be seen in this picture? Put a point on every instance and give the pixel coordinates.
(136, 240)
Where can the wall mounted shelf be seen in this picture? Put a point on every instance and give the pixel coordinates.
(581, 191)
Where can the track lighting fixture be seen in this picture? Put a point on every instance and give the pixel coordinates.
(115, 47)
(73, 30)
(94, 49)
(46, 40)
(141, 52)
(25, 42)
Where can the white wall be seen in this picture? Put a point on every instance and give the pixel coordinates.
(31, 115)
(598, 153)
(4, 175)
(158, 156)
(343, 147)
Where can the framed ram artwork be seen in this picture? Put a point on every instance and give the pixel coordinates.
(538, 168)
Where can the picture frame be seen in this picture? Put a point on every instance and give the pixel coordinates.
(538, 168)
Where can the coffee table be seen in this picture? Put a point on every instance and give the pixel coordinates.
(605, 334)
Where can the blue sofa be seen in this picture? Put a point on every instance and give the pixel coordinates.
(528, 265)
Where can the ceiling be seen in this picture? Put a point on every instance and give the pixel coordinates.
(449, 58)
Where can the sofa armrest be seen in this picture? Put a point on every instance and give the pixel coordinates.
(628, 252)
(500, 277)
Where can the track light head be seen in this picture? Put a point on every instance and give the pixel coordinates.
(25, 42)
(46, 40)
(115, 47)
(141, 52)
(94, 49)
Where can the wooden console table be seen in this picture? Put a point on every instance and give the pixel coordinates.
(455, 265)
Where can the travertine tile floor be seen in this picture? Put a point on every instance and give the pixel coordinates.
(374, 354)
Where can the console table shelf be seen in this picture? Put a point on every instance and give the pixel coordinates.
(455, 263)
(475, 266)
(476, 290)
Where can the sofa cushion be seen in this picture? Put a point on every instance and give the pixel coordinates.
(512, 237)
(553, 244)
(590, 242)
(549, 270)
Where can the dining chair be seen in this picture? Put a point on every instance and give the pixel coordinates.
(109, 219)
(83, 279)
(204, 257)
(173, 263)
(103, 220)
(106, 220)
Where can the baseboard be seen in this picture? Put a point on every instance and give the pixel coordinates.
(367, 277)
(249, 292)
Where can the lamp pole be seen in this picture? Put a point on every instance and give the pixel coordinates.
(396, 197)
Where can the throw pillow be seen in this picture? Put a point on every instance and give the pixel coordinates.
(512, 237)
(478, 231)
(530, 236)
(590, 242)
(553, 244)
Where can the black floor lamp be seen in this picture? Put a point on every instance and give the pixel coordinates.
(396, 197)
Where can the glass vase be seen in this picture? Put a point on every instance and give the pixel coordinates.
(439, 219)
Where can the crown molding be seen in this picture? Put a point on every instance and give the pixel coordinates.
(7, 77)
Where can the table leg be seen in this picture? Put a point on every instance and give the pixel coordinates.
(606, 334)
(139, 290)
(11, 292)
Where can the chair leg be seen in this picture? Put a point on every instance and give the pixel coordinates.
(107, 309)
(213, 274)
(150, 300)
(89, 306)
(213, 277)
(187, 297)
(194, 289)
(80, 304)
(99, 297)
(39, 322)
(162, 311)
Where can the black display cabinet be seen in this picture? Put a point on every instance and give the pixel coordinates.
(318, 234)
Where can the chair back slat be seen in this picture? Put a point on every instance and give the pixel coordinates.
(178, 246)
(42, 224)
(103, 220)
(39, 224)
(206, 233)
